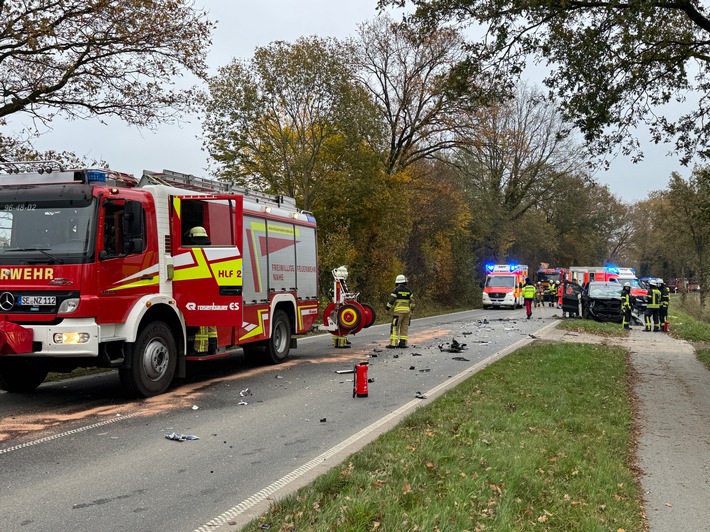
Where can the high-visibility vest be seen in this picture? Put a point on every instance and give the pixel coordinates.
(529, 291)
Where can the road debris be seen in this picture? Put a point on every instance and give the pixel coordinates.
(462, 359)
(180, 437)
(453, 347)
(244, 392)
(343, 371)
(420, 395)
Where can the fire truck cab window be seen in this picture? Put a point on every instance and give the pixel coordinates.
(60, 229)
(113, 236)
(210, 221)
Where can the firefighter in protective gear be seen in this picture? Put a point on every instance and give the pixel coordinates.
(529, 292)
(401, 303)
(653, 306)
(626, 305)
(551, 294)
(539, 293)
(206, 336)
(663, 309)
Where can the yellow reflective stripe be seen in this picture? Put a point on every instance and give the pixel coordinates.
(259, 329)
(146, 282)
(176, 206)
(226, 272)
(199, 271)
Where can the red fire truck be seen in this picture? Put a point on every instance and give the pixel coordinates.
(95, 270)
(585, 274)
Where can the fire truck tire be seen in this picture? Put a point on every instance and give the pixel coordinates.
(153, 362)
(277, 347)
(19, 376)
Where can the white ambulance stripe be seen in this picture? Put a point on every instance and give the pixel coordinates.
(153, 269)
(221, 253)
(184, 259)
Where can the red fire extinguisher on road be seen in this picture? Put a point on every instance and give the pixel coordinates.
(360, 381)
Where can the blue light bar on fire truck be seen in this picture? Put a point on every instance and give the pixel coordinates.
(502, 268)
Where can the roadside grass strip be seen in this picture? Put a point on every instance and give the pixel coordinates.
(688, 327)
(593, 327)
(540, 440)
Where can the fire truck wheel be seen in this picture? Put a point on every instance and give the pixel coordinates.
(278, 345)
(21, 375)
(153, 362)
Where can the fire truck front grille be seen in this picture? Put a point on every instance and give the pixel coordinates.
(497, 295)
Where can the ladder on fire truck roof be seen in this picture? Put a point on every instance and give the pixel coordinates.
(203, 185)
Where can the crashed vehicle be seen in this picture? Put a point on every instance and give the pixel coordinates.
(601, 301)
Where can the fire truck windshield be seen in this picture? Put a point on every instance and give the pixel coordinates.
(507, 281)
(43, 232)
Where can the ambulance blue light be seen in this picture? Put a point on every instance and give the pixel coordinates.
(96, 177)
(612, 269)
(512, 267)
(489, 267)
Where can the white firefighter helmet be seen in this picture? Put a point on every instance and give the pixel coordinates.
(197, 231)
(653, 282)
(627, 285)
(401, 279)
(659, 281)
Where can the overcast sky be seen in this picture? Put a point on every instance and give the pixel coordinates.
(244, 26)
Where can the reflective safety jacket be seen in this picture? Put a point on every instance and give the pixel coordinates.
(654, 298)
(401, 300)
(665, 296)
(626, 300)
(529, 291)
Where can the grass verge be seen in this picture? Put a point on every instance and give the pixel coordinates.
(540, 440)
(687, 326)
(592, 327)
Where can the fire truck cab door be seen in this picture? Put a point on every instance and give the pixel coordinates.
(206, 243)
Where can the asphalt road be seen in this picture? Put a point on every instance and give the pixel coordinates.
(76, 455)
